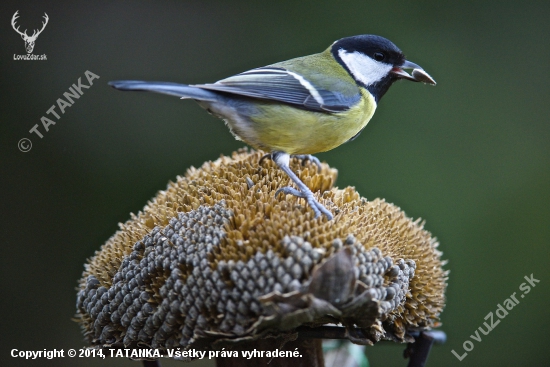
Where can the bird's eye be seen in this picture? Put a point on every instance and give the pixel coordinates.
(379, 56)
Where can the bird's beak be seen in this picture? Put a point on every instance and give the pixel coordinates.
(418, 74)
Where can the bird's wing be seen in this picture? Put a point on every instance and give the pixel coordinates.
(279, 84)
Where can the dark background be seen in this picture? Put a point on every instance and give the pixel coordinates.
(471, 155)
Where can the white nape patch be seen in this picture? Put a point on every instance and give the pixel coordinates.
(311, 89)
(364, 69)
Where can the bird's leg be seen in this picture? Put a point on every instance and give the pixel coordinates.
(282, 160)
(303, 157)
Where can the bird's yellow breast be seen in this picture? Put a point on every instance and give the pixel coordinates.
(279, 127)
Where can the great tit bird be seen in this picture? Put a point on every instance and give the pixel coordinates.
(302, 106)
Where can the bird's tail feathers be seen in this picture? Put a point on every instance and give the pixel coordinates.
(172, 89)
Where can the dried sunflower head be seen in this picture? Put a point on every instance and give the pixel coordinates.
(217, 256)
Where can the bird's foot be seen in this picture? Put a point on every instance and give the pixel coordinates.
(317, 207)
(308, 157)
(264, 157)
(282, 160)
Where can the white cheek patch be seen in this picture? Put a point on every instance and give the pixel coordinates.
(363, 68)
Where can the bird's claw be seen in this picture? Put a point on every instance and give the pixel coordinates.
(290, 190)
(264, 157)
(317, 207)
(309, 157)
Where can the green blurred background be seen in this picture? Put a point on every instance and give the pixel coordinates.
(470, 156)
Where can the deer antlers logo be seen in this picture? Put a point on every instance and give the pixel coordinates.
(29, 40)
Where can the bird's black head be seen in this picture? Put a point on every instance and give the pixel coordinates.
(375, 63)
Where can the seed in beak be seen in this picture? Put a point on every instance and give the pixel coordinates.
(421, 76)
